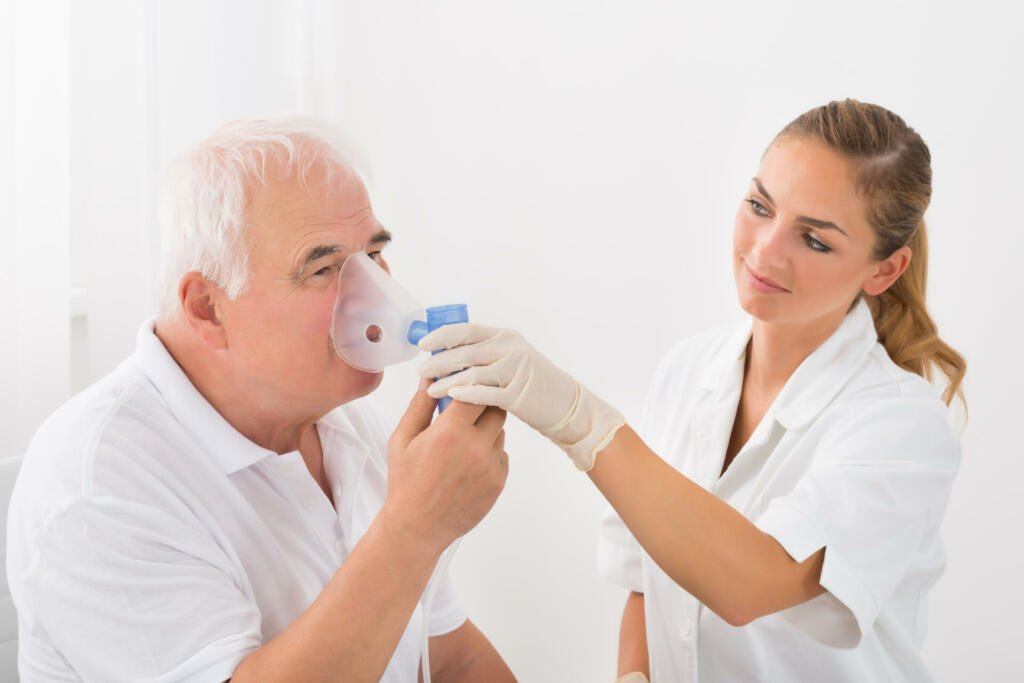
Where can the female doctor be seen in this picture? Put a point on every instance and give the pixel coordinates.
(776, 514)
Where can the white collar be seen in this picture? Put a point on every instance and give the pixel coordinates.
(818, 378)
(225, 444)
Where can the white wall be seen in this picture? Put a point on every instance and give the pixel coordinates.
(571, 169)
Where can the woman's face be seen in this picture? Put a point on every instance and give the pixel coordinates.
(802, 244)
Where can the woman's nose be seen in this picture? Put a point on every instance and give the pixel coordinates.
(770, 246)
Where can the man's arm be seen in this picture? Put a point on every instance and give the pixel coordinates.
(442, 479)
(466, 655)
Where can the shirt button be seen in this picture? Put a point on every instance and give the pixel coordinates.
(308, 502)
(339, 547)
(284, 467)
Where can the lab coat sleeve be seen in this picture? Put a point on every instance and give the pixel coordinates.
(875, 495)
(619, 555)
(125, 591)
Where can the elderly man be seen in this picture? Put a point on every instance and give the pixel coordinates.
(224, 504)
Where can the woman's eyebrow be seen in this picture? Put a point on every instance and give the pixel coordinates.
(815, 222)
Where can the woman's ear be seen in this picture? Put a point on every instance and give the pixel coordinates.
(199, 299)
(887, 271)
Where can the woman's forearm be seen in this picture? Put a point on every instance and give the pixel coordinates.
(633, 637)
(701, 542)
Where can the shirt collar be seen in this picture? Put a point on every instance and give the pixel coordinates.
(817, 380)
(225, 444)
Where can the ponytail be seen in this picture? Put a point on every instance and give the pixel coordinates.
(908, 333)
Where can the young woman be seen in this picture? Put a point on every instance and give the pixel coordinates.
(779, 518)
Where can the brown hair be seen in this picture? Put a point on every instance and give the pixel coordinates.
(892, 170)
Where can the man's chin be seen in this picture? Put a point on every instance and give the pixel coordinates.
(361, 383)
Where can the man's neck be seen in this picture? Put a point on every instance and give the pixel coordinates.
(263, 420)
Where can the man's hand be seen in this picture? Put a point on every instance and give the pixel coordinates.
(499, 368)
(444, 477)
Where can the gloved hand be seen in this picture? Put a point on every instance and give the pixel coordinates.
(634, 677)
(505, 371)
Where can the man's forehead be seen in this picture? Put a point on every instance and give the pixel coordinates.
(308, 254)
(291, 218)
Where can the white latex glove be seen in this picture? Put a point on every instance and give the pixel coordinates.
(635, 677)
(505, 371)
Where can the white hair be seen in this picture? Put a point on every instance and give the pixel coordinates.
(206, 191)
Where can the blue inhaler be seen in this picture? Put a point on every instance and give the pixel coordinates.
(438, 316)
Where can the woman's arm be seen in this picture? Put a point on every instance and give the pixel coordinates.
(702, 543)
(633, 638)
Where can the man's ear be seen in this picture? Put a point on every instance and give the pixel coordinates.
(199, 300)
(888, 271)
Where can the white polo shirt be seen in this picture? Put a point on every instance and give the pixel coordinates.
(855, 455)
(150, 540)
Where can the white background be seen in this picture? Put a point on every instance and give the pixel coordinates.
(570, 169)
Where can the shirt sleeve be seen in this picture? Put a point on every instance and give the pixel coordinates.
(127, 592)
(874, 498)
(446, 612)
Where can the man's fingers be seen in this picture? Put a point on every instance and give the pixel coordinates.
(450, 336)
(418, 415)
(466, 413)
(491, 420)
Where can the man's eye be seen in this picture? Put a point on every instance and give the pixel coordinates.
(324, 271)
(375, 255)
(757, 207)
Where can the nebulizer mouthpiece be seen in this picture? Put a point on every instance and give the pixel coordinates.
(377, 322)
(373, 315)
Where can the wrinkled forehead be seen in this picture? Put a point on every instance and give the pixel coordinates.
(289, 215)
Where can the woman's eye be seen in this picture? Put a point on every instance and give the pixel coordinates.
(757, 207)
(816, 245)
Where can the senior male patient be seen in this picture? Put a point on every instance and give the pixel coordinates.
(224, 505)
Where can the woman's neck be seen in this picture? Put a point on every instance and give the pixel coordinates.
(776, 350)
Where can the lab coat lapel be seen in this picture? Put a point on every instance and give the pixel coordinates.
(815, 384)
(716, 412)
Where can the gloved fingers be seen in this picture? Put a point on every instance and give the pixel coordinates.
(453, 360)
(634, 677)
(485, 374)
(481, 395)
(457, 334)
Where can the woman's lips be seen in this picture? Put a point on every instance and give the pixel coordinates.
(762, 285)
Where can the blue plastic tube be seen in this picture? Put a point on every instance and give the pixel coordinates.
(438, 316)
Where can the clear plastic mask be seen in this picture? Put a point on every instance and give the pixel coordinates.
(372, 316)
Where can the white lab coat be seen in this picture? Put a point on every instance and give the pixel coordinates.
(855, 455)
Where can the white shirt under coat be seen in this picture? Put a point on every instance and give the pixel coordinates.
(150, 540)
(855, 455)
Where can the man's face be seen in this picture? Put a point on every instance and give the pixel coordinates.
(279, 330)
